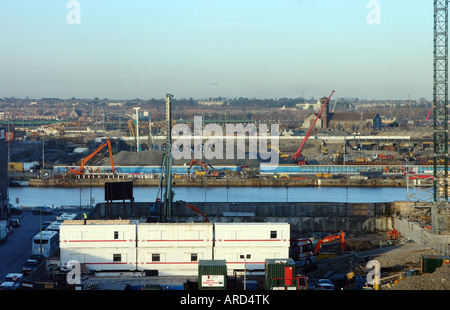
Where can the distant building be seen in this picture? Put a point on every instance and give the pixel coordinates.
(4, 182)
(355, 121)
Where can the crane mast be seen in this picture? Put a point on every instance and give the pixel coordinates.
(167, 163)
(440, 110)
(298, 154)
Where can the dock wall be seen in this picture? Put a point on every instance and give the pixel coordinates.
(220, 182)
(328, 217)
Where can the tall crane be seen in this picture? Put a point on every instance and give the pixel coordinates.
(298, 158)
(440, 111)
(167, 163)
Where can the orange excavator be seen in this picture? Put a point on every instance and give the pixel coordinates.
(194, 161)
(339, 235)
(195, 209)
(87, 158)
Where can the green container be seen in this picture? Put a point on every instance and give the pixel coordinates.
(431, 262)
(280, 274)
(212, 275)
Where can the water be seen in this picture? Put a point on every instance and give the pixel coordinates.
(55, 197)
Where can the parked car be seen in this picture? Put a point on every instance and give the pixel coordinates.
(324, 284)
(29, 266)
(15, 223)
(45, 224)
(42, 210)
(12, 281)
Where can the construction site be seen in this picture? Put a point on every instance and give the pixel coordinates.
(166, 244)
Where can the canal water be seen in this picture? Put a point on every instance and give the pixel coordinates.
(56, 197)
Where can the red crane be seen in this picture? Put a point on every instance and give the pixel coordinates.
(298, 155)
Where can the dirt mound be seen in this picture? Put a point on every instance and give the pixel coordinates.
(438, 280)
(359, 246)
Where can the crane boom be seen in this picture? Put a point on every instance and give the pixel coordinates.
(87, 158)
(299, 150)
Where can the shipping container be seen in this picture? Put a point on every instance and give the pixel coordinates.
(171, 249)
(280, 274)
(212, 275)
(101, 245)
(256, 241)
(431, 262)
(15, 167)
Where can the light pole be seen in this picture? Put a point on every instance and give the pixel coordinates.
(137, 129)
(245, 257)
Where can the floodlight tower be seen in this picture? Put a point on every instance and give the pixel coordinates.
(168, 195)
(138, 144)
(440, 108)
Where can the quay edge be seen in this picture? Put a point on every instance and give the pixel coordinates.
(222, 182)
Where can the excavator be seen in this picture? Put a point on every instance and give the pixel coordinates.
(298, 157)
(282, 155)
(87, 158)
(340, 235)
(195, 209)
(194, 161)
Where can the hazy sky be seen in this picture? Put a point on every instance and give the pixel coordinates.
(125, 49)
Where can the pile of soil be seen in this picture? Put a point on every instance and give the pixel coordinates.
(438, 280)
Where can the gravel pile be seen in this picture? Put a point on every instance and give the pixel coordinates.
(438, 280)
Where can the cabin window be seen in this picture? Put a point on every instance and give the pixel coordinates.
(116, 235)
(156, 258)
(273, 234)
(117, 257)
(194, 257)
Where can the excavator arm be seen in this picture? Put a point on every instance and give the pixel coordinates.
(87, 158)
(340, 235)
(195, 209)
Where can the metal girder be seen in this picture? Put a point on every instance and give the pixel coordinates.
(440, 103)
(168, 195)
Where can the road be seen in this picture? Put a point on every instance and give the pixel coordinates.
(17, 249)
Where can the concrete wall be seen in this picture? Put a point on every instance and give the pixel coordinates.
(417, 233)
(350, 217)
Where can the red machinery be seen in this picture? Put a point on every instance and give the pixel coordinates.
(194, 161)
(300, 160)
(340, 235)
(86, 159)
(195, 209)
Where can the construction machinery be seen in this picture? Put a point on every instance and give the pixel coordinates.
(323, 147)
(193, 208)
(82, 168)
(393, 235)
(298, 157)
(206, 166)
(340, 235)
(282, 155)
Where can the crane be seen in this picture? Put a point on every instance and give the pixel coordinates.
(298, 158)
(339, 235)
(86, 159)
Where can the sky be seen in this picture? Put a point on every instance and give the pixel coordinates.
(127, 49)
